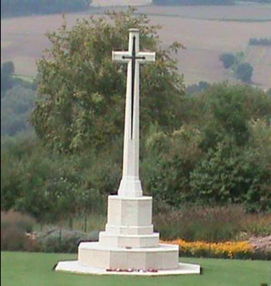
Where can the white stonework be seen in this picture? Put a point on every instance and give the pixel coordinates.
(128, 243)
(130, 184)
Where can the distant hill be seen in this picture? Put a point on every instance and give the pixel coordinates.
(205, 2)
(194, 2)
(104, 3)
(28, 7)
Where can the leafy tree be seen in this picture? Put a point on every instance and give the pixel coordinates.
(81, 91)
(48, 186)
(240, 68)
(232, 175)
(221, 155)
(168, 162)
(244, 72)
(228, 59)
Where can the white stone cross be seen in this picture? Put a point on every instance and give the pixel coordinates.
(130, 185)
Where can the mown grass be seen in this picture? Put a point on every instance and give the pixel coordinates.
(31, 269)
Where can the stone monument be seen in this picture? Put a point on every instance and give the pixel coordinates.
(128, 245)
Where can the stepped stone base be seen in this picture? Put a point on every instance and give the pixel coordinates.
(128, 244)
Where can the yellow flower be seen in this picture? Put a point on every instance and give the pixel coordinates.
(230, 249)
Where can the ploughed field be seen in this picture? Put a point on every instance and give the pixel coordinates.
(31, 269)
(205, 31)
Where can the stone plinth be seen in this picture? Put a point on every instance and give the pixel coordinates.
(129, 223)
(128, 242)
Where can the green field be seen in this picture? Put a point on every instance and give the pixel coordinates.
(35, 269)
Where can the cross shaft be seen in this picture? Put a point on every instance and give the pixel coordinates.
(130, 183)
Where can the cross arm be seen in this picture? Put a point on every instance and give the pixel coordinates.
(146, 57)
(121, 56)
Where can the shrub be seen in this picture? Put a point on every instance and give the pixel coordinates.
(232, 175)
(255, 225)
(15, 110)
(53, 187)
(14, 227)
(228, 60)
(169, 160)
(209, 223)
(244, 72)
(194, 223)
(63, 240)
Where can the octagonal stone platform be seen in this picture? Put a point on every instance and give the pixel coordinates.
(162, 257)
(96, 259)
(76, 267)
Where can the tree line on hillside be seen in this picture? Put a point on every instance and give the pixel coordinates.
(17, 101)
(203, 2)
(260, 41)
(28, 7)
(208, 148)
(194, 2)
(241, 69)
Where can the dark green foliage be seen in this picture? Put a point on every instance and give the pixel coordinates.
(244, 72)
(224, 112)
(49, 186)
(195, 88)
(193, 2)
(16, 108)
(220, 158)
(231, 175)
(28, 7)
(168, 163)
(228, 60)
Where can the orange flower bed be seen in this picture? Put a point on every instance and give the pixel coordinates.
(229, 249)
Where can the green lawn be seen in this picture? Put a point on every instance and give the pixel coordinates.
(35, 269)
